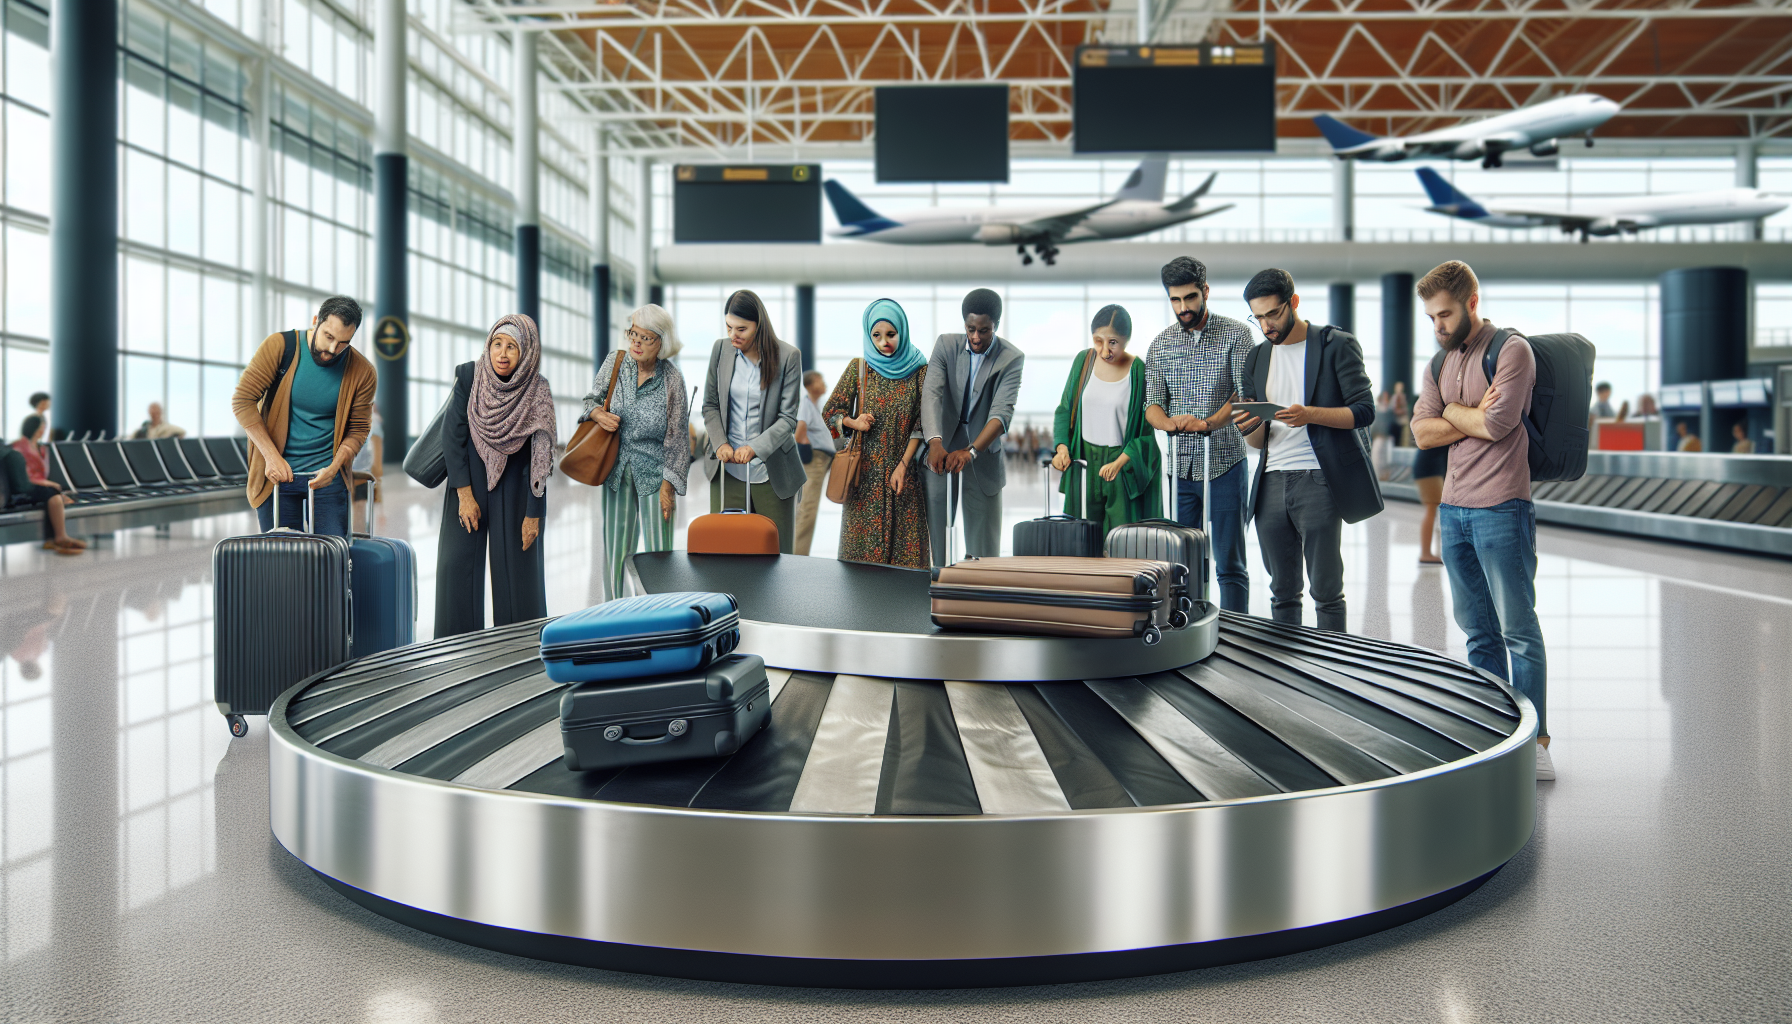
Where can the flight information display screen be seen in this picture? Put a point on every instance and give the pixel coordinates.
(746, 203)
(1175, 99)
(942, 133)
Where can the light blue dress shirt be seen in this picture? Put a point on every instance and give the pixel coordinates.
(744, 401)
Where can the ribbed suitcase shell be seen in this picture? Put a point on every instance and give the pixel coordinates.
(634, 637)
(280, 613)
(670, 718)
(1058, 596)
(1165, 540)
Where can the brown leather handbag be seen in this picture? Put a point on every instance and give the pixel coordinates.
(843, 473)
(591, 454)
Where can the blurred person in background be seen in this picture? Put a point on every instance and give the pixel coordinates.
(1689, 441)
(1743, 446)
(815, 444)
(155, 428)
(23, 487)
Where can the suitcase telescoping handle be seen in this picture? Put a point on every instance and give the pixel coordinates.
(305, 506)
(1046, 472)
(747, 483)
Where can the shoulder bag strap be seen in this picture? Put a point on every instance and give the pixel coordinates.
(615, 373)
(287, 353)
(1491, 361)
(1076, 401)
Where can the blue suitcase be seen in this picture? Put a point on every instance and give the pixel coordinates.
(653, 635)
(384, 592)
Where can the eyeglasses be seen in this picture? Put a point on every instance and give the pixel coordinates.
(1274, 314)
(644, 337)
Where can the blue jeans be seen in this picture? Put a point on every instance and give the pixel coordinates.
(1228, 531)
(1491, 556)
(328, 515)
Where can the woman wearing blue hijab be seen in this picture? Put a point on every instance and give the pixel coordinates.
(885, 517)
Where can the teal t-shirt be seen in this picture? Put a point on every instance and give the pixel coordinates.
(311, 424)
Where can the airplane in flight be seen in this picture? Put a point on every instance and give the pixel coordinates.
(1538, 129)
(1606, 216)
(1137, 209)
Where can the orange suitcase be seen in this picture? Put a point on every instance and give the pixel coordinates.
(732, 531)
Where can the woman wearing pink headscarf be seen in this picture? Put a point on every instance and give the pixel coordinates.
(498, 443)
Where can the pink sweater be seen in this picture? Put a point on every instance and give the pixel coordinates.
(1485, 473)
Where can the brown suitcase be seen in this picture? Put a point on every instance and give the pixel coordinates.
(732, 531)
(1110, 598)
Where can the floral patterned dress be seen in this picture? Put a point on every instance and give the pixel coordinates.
(877, 524)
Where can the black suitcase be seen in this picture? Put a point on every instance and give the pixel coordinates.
(1059, 534)
(1166, 540)
(280, 613)
(665, 718)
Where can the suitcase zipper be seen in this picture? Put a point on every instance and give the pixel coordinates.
(640, 645)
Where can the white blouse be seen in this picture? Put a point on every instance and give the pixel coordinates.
(1104, 410)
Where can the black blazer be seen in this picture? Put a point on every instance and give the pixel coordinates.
(1336, 378)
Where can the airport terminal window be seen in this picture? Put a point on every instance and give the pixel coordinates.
(25, 211)
(315, 36)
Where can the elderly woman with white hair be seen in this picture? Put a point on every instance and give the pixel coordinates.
(650, 413)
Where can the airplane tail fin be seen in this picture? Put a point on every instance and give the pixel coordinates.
(849, 209)
(1339, 134)
(1446, 198)
(1188, 202)
(1146, 181)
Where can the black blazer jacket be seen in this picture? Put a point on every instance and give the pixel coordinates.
(1336, 378)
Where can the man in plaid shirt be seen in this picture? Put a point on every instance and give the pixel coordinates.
(1193, 371)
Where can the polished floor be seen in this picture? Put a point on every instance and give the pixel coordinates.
(139, 882)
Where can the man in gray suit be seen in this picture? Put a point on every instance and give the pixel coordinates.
(973, 381)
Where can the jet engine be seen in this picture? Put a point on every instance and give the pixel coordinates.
(1474, 149)
(1548, 147)
(998, 234)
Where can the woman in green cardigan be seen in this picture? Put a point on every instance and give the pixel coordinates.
(1101, 420)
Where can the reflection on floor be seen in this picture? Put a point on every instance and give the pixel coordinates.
(138, 880)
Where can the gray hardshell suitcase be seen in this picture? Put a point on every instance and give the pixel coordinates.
(1166, 540)
(280, 613)
(706, 713)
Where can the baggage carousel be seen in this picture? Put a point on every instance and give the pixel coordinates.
(924, 809)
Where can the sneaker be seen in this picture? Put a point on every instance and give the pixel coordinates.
(1546, 768)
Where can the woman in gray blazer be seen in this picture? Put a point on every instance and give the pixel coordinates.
(750, 400)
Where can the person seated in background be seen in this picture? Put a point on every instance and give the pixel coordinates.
(1101, 420)
(1602, 402)
(19, 489)
(1743, 445)
(1689, 441)
(30, 445)
(156, 428)
(1646, 407)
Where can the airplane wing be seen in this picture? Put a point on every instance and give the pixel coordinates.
(1057, 226)
(1188, 202)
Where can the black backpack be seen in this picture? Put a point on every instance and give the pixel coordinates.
(1561, 400)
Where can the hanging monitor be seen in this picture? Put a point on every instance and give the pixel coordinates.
(1175, 99)
(942, 133)
(746, 203)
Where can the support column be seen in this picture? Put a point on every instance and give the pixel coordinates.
(1144, 22)
(644, 232)
(1396, 334)
(600, 249)
(805, 324)
(391, 229)
(1748, 175)
(1344, 200)
(1343, 306)
(1704, 337)
(84, 218)
(526, 147)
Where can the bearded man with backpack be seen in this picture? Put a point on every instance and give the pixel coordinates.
(1511, 410)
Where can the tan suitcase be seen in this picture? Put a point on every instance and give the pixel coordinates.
(1108, 598)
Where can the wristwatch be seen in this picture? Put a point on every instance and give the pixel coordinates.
(973, 450)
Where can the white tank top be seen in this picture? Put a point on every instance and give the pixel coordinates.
(1103, 415)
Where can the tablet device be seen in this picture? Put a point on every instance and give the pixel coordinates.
(1261, 410)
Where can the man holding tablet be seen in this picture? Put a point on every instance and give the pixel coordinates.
(1308, 410)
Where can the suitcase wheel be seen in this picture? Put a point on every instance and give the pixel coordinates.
(1152, 636)
(239, 727)
(1178, 620)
